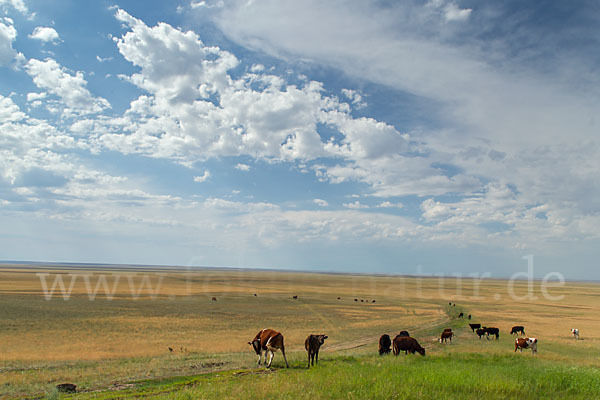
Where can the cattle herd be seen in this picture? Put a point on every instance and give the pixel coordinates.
(268, 341)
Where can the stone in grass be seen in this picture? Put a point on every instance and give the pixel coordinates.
(67, 388)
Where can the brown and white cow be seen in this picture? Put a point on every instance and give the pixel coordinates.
(447, 334)
(312, 344)
(575, 333)
(268, 341)
(526, 343)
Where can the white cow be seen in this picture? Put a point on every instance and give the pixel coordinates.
(575, 333)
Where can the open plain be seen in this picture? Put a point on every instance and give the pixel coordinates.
(119, 331)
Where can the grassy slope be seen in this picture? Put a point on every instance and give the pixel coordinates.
(468, 369)
(465, 376)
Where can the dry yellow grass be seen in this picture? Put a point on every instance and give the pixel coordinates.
(131, 333)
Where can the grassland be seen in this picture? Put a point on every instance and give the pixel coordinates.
(118, 346)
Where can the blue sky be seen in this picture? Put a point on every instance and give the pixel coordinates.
(392, 137)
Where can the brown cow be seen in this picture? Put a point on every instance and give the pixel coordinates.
(385, 344)
(404, 333)
(269, 341)
(526, 343)
(447, 334)
(312, 344)
(407, 344)
(214, 299)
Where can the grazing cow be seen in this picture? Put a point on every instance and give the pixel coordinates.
(295, 297)
(453, 305)
(355, 299)
(339, 298)
(66, 388)
(373, 301)
(170, 349)
(407, 344)
(526, 343)
(469, 317)
(450, 303)
(492, 331)
(385, 344)
(480, 332)
(461, 315)
(475, 326)
(404, 334)
(362, 301)
(517, 329)
(255, 294)
(312, 344)
(446, 335)
(214, 299)
(268, 341)
(575, 333)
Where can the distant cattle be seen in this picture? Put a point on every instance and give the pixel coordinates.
(475, 326)
(339, 298)
(66, 388)
(404, 334)
(408, 345)
(450, 303)
(385, 344)
(355, 299)
(493, 331)
(517, 330)
(480, 332)
(312, 344)
(446, 335)
(268, 341)
(373, 301)
(170, 349)
(461, 315)
(453, 305)
(362, 301)
(469, 317)
(526, 343)
(214, 299)
(255, 294)
(575, 333)
(295, 297)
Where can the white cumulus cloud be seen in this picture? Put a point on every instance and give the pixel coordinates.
(44, 34)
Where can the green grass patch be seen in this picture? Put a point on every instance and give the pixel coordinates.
(447, 376)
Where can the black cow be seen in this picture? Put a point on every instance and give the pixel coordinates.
(475, 326)
(493, 331)
(480, 332)
(312, 344)
(461, 315)
(385, 344)
(517, 329)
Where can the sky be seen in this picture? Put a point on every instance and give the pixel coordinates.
(439, 136)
